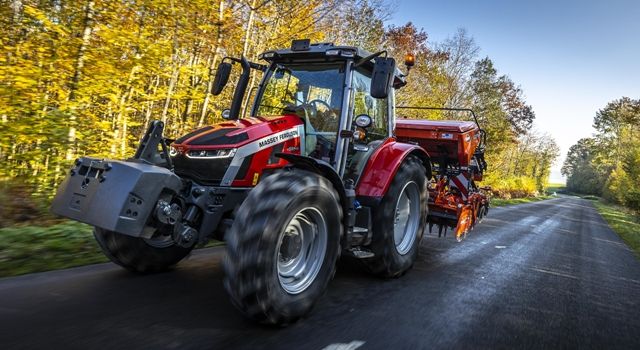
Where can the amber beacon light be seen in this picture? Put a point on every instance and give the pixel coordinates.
(409, 60)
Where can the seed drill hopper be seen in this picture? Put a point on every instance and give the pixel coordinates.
(457, 156)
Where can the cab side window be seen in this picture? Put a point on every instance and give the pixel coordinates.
(375, 108)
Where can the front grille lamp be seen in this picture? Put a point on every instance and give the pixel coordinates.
(212, 153)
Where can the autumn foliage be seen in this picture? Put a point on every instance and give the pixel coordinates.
(85, 77)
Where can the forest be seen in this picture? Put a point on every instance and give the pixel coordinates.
(608, 164)
(85, 77)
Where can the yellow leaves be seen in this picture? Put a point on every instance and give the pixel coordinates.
(43, 19)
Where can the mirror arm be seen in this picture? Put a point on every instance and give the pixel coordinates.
(241, 88)
(369, 58)
(257, 66)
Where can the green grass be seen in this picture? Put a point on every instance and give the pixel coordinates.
(26, 249)
(498, 202)
(556, 187)
(623, 222)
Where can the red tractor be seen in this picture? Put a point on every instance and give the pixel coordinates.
(315, 172)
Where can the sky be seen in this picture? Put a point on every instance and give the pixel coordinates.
(569, 57)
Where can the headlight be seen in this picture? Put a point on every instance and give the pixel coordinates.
(212, 153)
(173, 151)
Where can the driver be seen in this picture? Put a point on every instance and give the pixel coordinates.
(320, 110)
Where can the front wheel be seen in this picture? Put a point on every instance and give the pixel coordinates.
(283, 246)
(140, 255)
(399, 220)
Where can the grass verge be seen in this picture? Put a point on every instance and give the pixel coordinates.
(623, 222)
(556, 188)
(551, 192)
(497, 202)
(29, 249)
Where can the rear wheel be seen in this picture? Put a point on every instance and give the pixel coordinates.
(283, 246)
(140, 255)
(481, 212)
(399, 220)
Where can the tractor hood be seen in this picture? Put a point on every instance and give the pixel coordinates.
(234, 153)
(235, 134)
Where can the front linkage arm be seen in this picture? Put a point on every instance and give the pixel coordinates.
(147, 151)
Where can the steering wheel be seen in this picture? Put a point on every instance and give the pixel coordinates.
(324, 123)
(319, 101)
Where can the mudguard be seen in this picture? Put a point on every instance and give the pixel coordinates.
(319, 167)
(118, 196)
(383, 165)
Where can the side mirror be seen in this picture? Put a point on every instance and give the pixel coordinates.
(226, 114)
(383, 71)
(221, 78)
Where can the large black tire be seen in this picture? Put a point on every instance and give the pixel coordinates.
(256, 240)
(137, 255)
(388, 260)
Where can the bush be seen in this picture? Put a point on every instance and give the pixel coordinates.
(18, 206)
(512, 187)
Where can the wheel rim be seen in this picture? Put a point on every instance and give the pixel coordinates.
(407, 218)
(301, 250)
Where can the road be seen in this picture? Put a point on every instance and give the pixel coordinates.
(549, 274)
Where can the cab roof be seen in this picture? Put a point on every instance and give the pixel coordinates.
(303, 49)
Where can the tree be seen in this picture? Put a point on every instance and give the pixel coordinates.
(578, 167)
(87, 77)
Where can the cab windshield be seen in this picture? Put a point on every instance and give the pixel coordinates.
(314, 92)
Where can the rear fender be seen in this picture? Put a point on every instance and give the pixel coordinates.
(384, 164)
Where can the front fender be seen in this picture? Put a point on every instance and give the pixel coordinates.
(383, 165)
(321, 168)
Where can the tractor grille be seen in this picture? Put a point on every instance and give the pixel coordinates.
(207, 171)
(204, 171)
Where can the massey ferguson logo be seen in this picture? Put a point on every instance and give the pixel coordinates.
(278, 138)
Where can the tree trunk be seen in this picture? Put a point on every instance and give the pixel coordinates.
(214, 62)
(150, 105)
(16, 6)
(247, 34)
(172, 84)
(77, 75)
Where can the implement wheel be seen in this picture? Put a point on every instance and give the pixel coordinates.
(399, 221)
(283, 246)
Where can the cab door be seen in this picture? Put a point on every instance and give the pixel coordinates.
(367, 138)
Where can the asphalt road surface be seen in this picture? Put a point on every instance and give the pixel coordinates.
(549, 274)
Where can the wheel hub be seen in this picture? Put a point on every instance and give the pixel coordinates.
(291, 245)
(301, 250)
(407, 218)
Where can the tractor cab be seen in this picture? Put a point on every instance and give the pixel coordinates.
(343, 95)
